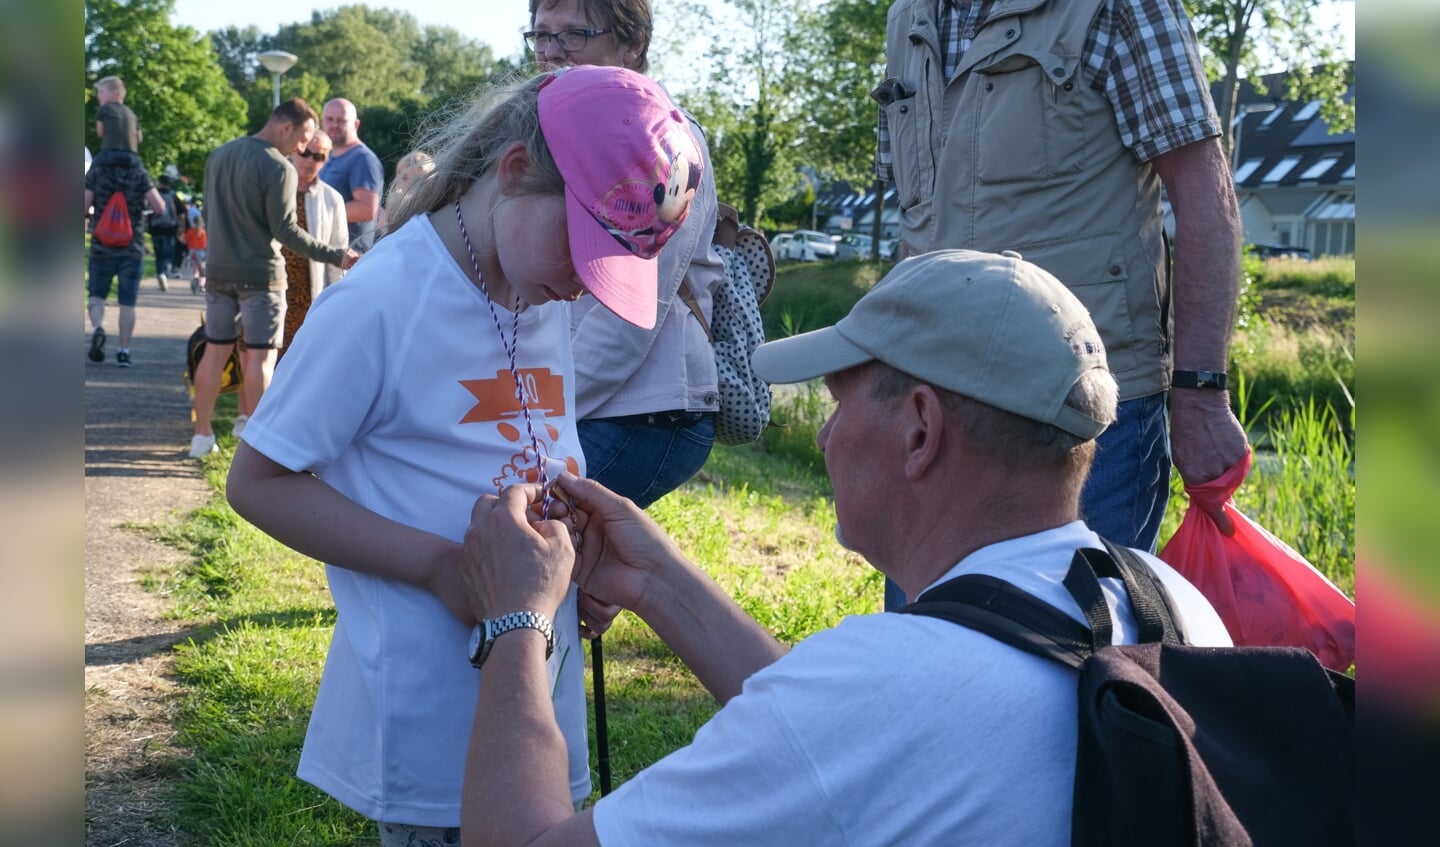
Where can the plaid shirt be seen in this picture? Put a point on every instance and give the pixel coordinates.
(1141, 53)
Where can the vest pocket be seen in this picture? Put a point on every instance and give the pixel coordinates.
(906, 149)
(1031, 122)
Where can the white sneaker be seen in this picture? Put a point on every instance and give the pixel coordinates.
(202, 445)
(239, 427)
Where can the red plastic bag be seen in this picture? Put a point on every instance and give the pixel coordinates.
(1265, 592)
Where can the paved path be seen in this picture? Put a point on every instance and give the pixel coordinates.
(137, 473)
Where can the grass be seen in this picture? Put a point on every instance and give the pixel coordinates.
(758, 518)
(809, 296)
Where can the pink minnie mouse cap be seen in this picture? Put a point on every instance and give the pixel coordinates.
(631, 167)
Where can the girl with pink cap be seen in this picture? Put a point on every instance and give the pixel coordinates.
(441, 369)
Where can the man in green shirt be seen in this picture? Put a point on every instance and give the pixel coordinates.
(250, 190)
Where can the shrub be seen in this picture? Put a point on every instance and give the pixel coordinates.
(1330, 276)
(1288, 366)
(800, 410)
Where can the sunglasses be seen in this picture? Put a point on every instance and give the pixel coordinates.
(317, 156)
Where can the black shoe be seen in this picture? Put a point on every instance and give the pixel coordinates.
(122, 359)
(97, 345)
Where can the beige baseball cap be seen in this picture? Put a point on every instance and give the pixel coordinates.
(992, 327)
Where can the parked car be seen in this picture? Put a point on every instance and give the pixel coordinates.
(853, 246)
(856, 246)
(805, 245)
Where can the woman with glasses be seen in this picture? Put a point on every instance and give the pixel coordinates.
(646, 399)
(320, 211)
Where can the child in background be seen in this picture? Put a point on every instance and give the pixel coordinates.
(411, 167)
(439, 371)
(195, 242)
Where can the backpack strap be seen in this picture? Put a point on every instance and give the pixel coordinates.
(1151, 603)
(727, 226)
(1006, 613)
(689, 297)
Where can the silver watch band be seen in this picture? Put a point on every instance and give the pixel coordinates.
(492, 628)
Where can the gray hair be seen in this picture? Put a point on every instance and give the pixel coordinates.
(468, 142)
(1013, 439)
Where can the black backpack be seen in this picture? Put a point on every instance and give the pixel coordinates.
(231, 377)
(1179, 745)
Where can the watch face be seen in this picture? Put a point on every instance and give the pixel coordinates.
(477, 636)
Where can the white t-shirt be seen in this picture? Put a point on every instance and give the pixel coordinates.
(398, 394)
(893, 729)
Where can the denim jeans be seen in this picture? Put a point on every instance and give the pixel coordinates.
(105, 266)
(641, 461)
(164, 243)
(1124, 498)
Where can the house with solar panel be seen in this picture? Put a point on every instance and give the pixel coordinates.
(1294, 178)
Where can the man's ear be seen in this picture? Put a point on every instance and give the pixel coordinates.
(513, 166)
(923, 428)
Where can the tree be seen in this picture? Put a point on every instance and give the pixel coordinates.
(851, 39)
(453, 64)
(185, 105)
(1237, 34)
(237, 49)
(754, 107)
(394, 71)
(367, 55)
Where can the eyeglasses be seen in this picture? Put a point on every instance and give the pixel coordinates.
(570, 40)
(316, 155)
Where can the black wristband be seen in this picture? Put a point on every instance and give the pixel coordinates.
(1199, 379)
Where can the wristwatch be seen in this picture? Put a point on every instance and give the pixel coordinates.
(482, 638)
(1198, 379)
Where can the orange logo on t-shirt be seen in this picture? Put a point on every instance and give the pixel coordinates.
(544, 392)
(497, 403)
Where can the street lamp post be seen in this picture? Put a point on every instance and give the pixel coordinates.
(1239, 126)
(277, 62)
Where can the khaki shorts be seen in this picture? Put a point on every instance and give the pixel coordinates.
(231, 308)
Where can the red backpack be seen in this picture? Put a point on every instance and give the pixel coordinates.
(113, 228)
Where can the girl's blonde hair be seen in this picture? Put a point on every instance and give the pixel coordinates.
(467, 145)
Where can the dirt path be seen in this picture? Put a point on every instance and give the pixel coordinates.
(137, 433)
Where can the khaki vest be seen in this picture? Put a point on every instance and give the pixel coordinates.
(1018, 153)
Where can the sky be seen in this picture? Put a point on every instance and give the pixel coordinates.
(494, 22)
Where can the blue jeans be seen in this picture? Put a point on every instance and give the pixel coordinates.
(642, 461)
(164, 243)
(106, 266)
(1124, 498)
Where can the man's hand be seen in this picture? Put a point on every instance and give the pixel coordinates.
(511, 564)
(349, 259)
(1205, 439)
(621, 546)
(595, 616)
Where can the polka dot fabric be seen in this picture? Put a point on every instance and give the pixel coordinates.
(735, 331)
